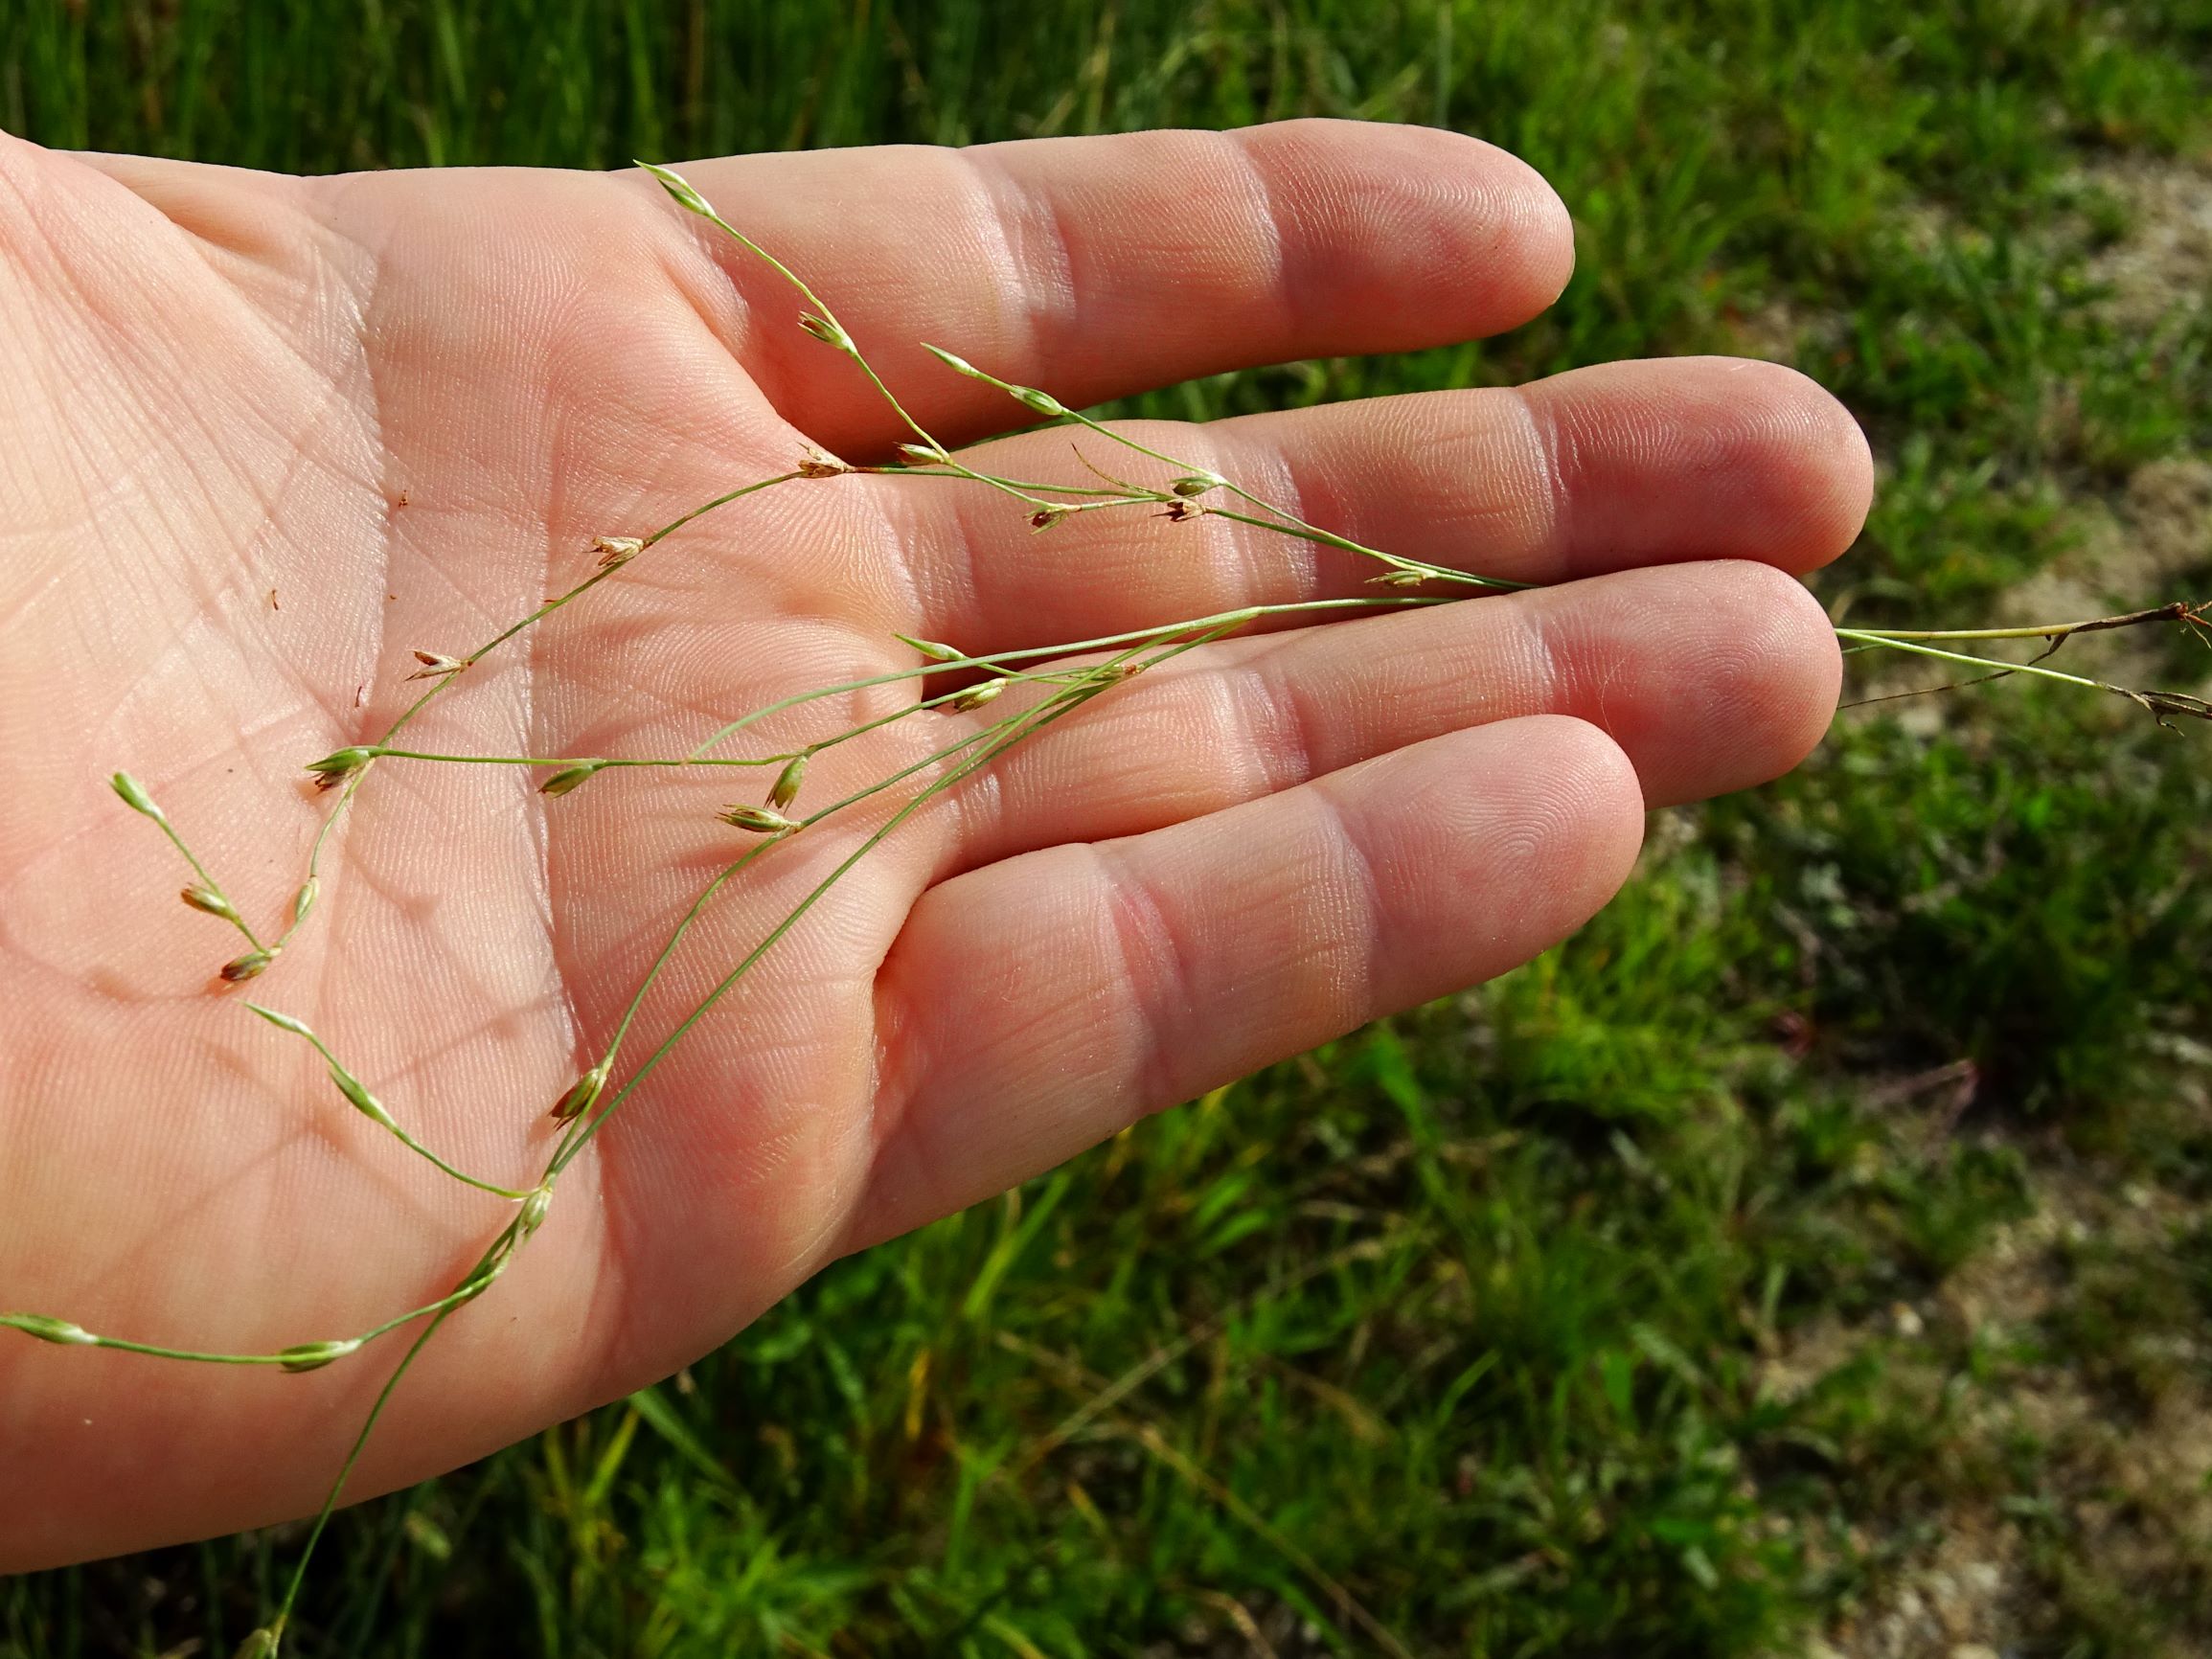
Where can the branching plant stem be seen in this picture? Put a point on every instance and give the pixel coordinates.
(1070, 675)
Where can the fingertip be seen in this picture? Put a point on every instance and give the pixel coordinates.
(1811, 458)
(1414, 234)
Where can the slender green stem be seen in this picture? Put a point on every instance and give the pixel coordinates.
(1058, 704)
(233, 915)
(338, 1489)
(1891, 642)
(1226, 621)
(356, 1091)
(436, 687)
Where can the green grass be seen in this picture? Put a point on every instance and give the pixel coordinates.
(1829, 1222)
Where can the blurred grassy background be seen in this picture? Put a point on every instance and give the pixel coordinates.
(1812, 1255)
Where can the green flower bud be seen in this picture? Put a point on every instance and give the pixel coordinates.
(759, 820)
(788, 781)
(829, 333)
(534, 1210)
(975, 697)
(1041, 402)
(303, 901)
(135, 797)
(582, 1095)
(282, 1022)
(339, 763)
(680, 187)
(570, 778)
(931, 649)
(314, 1355)
(364, 1102)
(206, 898)
(47, 1329)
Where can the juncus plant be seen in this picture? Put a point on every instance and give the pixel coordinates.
(849, 763)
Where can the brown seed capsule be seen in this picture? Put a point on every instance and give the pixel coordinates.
(759, 820)
(208, 900)
(436, 665)
(1044, 518)
(247, 966)
(975, 697)
(616, 551)
(818, 463)
(826, 331)
(788, 781)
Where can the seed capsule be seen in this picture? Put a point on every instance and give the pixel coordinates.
(759, 820)
(1198, 482)
(436, 665)
(680, 187)
(616, 551)
(826, 331)
(339, 764)
(303, 901)
(920, 455)
(207, 900)
(282, 1022)
(247, 966)
(47, 1329)
(314, 1355)
(931, 649)
(533, 1212)
(818, 463)
(582, 1095)
(788, 781)
(1041, 402)
(975, 697)
(569, 778)
(363, 1101)
(135, 797)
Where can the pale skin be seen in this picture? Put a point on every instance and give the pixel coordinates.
(260, 437)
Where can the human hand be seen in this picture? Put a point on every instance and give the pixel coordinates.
(260, 437)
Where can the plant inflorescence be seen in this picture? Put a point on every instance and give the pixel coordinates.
(1052, 683)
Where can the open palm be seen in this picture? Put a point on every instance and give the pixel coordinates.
(260, 437)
